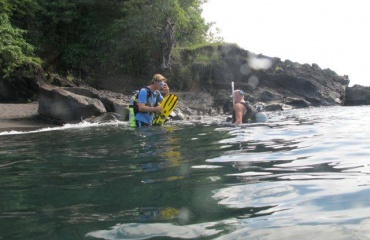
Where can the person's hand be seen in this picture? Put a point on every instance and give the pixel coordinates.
(158, 109)
(166, 89)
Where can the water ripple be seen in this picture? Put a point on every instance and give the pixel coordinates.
(304, 171)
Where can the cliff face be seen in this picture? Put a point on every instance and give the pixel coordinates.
(318, 87)
(265, 79)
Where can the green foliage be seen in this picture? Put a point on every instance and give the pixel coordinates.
(14, 50)
(193, 61)
(139, 37)
(205, 52)
(99, 37)
(278, 68)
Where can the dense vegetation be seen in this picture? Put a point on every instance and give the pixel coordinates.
(91, 39)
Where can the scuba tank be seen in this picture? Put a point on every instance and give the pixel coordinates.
(260, 115)
(131, 107)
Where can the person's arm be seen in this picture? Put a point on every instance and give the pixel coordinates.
(239, 112)
(142, 98)
(143, 108)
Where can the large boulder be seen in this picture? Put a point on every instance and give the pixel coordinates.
(64, 106)
(112, 101)
(357, 95)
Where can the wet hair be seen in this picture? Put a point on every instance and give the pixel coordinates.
(240, 92)
(158, 78)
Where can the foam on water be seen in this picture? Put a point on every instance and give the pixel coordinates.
(67, 126)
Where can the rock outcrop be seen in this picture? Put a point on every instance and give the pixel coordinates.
(357, 95)
(264, 79)
(73, 104)
(64, 106)
(23, 87)
(316, 86)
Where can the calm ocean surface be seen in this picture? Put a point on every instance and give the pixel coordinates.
(305, 174)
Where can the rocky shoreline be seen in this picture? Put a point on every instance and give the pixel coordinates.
(283, 85)
(26, 116)
(192, 106)
(21, 117)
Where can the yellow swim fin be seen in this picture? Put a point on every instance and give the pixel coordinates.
(169, 103)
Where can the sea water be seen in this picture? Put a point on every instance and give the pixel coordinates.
(304, 174)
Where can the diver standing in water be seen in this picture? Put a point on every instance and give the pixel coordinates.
(147, 101)
(244, 112)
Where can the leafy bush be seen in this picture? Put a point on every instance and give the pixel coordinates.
(14, 50)
(98, 38)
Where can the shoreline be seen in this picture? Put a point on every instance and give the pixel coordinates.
(21, 117)
(9, 125)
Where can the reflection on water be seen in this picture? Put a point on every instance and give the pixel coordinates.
(302, 175)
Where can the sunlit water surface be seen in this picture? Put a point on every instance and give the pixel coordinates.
(302, 175)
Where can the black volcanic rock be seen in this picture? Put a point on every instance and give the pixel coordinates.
(357, 95)
(263, 78)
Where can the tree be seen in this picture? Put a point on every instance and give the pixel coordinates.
(105, 37)
(14, 50)
(145, 33)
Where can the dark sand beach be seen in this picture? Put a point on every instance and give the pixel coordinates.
(20, 117)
